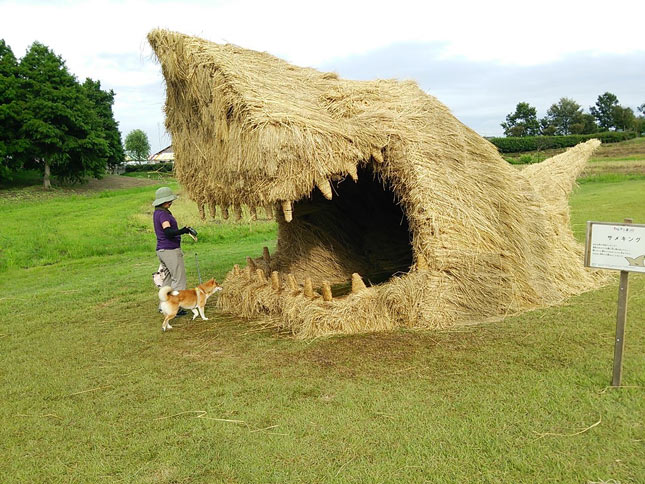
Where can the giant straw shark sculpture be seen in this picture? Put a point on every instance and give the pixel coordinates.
(391, 213)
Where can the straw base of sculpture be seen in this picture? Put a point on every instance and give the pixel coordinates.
(391, 213)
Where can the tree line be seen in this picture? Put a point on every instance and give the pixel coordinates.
(51, 122)
(567, 117)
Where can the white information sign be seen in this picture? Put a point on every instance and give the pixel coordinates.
(615, 246)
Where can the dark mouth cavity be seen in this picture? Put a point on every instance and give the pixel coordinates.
(364, 227)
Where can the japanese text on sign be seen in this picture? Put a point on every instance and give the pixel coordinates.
(615, 246)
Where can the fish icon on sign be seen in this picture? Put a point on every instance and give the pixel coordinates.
(636, 261)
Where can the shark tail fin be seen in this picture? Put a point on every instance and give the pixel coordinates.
(555, 177)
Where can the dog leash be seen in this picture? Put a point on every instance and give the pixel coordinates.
(197, 264)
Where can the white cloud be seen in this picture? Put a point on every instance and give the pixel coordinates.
(106, 39)
(314, 32)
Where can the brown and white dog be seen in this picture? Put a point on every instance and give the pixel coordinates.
(194, 299)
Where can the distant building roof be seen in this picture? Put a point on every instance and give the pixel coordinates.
(167, 154)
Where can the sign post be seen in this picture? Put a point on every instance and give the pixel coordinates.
(617, 247)
(621, 321)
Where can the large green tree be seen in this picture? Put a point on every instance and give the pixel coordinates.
(564, 115)
(137, 145)
(623, 118)
(603, 111)
(639, 124)
(102, 102)
(523, 122)
(546, 128)
(586, 125)
(11, 144)
(60, 123)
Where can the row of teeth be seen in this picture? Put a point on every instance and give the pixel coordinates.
(323, 185)
(254, 272)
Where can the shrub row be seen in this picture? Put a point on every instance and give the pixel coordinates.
(161, 167)
(535, 143)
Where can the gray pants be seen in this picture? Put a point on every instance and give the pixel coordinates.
(174, 262)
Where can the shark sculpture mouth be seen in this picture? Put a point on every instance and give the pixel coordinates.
(356, 226)
(348, 234)
(391, 213)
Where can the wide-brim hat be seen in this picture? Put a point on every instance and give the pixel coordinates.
(163, 195)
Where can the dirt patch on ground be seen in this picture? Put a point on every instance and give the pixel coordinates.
(391, 348)
(365, 355)
(108, 182)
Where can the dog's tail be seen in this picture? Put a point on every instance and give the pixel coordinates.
(163, 293)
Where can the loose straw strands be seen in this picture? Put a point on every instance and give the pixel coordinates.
(202, 414)
(573, 434)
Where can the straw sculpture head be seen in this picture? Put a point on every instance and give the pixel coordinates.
(391, 213)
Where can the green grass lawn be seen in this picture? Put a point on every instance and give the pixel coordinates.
(93, 391)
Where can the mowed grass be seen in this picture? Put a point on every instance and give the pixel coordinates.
(93, 391)
(43, 229)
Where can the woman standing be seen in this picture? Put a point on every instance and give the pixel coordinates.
(169, 239)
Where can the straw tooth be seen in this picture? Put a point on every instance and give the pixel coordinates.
(309, 289)
(213, 209)
(249, 272)
(325, 188)
(266, 255)
(352, 172)
(254, 213)
(260, 274)
(326, 291)
(251, 263)
(275, 280)
(422, 263)
(357, 283)
(202, 211)
(225, 212)
(236, 270)
(292, 282)
(238, 212)
(378, 156)
(268, 210)
(287, 210)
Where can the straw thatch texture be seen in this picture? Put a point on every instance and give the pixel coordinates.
(375, 178)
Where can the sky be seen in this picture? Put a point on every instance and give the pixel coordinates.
(479, 58)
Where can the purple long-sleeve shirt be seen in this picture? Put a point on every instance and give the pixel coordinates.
(160, 216)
